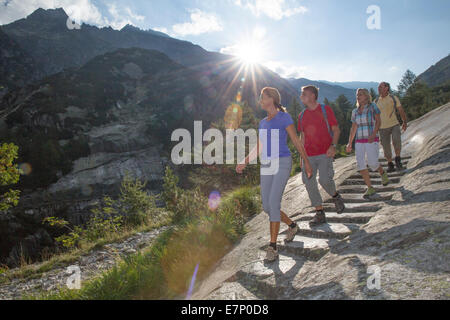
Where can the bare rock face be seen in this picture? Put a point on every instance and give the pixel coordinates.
(81, 131)
(393, 247)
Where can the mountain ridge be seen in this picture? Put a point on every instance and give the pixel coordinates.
(437, 74)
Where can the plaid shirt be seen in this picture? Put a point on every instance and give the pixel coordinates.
(365, 121)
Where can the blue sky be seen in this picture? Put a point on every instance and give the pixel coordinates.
(315, 39)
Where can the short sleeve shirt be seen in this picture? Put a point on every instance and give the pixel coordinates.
(268, 132)
(364, 117)
(388, 115)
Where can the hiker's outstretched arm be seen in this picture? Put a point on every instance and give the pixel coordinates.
(256, 151)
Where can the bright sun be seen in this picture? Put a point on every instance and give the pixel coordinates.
(249, 54)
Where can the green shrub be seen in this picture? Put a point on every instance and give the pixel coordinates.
(135, 202)
(9, 174)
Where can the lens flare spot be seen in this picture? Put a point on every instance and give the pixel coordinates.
(191, 286)
(214, 200)
(25, 168)
(239, 97)
(233, 116)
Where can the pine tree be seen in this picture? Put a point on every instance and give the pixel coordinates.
(343, 110)
(294, 109)
(373, 94)
(408, 79)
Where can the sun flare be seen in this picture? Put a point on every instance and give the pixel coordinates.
(249, 54)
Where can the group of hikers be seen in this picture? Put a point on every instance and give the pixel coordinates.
(372, 122)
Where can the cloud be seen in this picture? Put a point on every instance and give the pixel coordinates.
(393, 69)
(257, 36)
(121, 18)
(232, 50)
(78, 10)
(201, 22)
(274, 9)
(161, 29)
(285, 70)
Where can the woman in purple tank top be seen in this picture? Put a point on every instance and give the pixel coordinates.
(276, 163)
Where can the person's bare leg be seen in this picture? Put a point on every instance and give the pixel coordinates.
(274, 230)
(380, 170)
(366, 177)
(285, 218)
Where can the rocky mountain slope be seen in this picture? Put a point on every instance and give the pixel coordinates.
(17, 68)
(437, 74)
(81, 130)
(355, 84)
(45, 37)
(326, 90)
(403, 236)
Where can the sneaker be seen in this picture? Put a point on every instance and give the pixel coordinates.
(369, 193)
(398, 163)
(384, 179)
(271, 254)
(291, 233)
(339, 203)
(318, 219)
(391, 167)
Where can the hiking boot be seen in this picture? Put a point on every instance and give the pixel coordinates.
(398, 163)
(369, 193)
(271, 254)
(391, 167)
(291, 233)
(384, 179)
(318, 219)
(339, 203)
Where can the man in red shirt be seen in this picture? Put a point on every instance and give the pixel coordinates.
(320, 136)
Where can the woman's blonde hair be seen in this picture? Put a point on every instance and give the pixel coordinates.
(367, 94)
(276, 97)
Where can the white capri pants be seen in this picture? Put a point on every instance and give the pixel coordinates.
(369, 150)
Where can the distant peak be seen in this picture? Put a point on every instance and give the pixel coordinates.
(130, 27)
(48, 13)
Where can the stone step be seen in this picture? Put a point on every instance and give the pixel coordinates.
(359, 217)
(327, 230)
(310, 248)
(354, 189)
(403, 158)
(384, 164)
(375, 182)
(377, 175)
(353, 207)
(358, 198)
